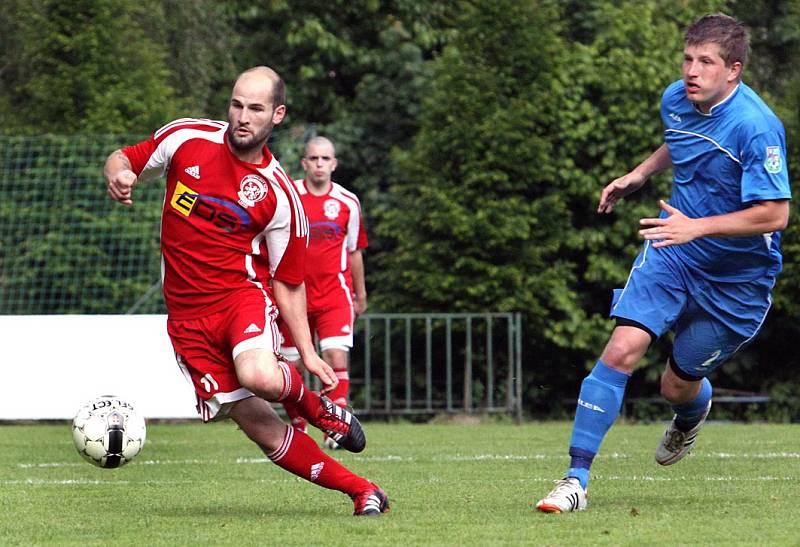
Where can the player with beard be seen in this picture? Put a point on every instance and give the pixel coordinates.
(233, 242)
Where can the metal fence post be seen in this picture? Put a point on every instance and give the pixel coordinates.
(518, 359)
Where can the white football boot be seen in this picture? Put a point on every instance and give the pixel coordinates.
(329, 443)
(567, 496)
(675, 444)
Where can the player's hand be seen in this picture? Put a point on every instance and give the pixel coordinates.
(360, 304)
(322, 370)
(675, 229)
(120, 186)
(618, 189)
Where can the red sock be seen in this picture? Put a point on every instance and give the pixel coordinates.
(291, 410)
(341, 394)
(299, 454)
(294, 391)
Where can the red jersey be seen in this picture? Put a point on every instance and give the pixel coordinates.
(226, 225)
(336, 229)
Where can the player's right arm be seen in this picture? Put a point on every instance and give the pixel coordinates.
(627, 184)
(120, 177)
(151, 157)
(287, 241)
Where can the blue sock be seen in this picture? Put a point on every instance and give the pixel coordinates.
(598, 406)
(689, 414)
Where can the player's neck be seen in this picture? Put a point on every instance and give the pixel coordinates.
(251, 156)
(319, 188)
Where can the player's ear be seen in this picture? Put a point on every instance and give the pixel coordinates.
(736, 71)
(278, 114)
(333, 165)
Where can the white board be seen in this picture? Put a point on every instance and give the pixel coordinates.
(52, 364)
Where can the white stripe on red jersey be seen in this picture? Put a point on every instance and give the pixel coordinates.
(227, 225)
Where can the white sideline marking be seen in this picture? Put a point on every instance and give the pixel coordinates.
(729, 478)
(39, 482)
(174, 462)
(494, 457)
(54, 464)
(143, 462)
(253, 460)
(448, 458)
(766, 455)
(634, 478)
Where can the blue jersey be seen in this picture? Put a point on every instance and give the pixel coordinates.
(724, 161)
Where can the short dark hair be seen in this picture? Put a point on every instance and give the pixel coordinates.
(725, 31)
(278, 93)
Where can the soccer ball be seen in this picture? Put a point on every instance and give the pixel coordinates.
(108, 432)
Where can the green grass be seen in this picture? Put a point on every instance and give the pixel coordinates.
(449, 484)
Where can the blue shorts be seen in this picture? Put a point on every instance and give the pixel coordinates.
(711, 320)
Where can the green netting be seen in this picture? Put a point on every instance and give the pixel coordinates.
(66, 247)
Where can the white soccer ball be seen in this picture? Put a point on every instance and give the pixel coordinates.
(108, 432)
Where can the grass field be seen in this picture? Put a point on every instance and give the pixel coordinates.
(450, 484)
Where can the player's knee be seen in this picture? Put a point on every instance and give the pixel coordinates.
(620, 356)
(336, 357)
(625, 348)
(260, 374)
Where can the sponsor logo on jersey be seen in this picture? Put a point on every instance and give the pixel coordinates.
(773, 163)
(252, 328)
(252, 189)
(221, 213)
(183, 199)
(675, 117)
(193, 171)
(331, 208)
(324, 230)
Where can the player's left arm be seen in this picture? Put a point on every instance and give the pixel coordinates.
(356, 243)
(287, 241)
(760, 218)
(291, 299)
(359, 284)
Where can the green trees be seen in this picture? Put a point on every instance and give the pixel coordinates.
(84, 66)
(532, 108)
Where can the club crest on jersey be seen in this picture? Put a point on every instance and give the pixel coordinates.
(331, 207)
(773, 163)
(252, 189)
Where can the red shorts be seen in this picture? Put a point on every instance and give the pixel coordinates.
(332, 327)
(206, 347)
